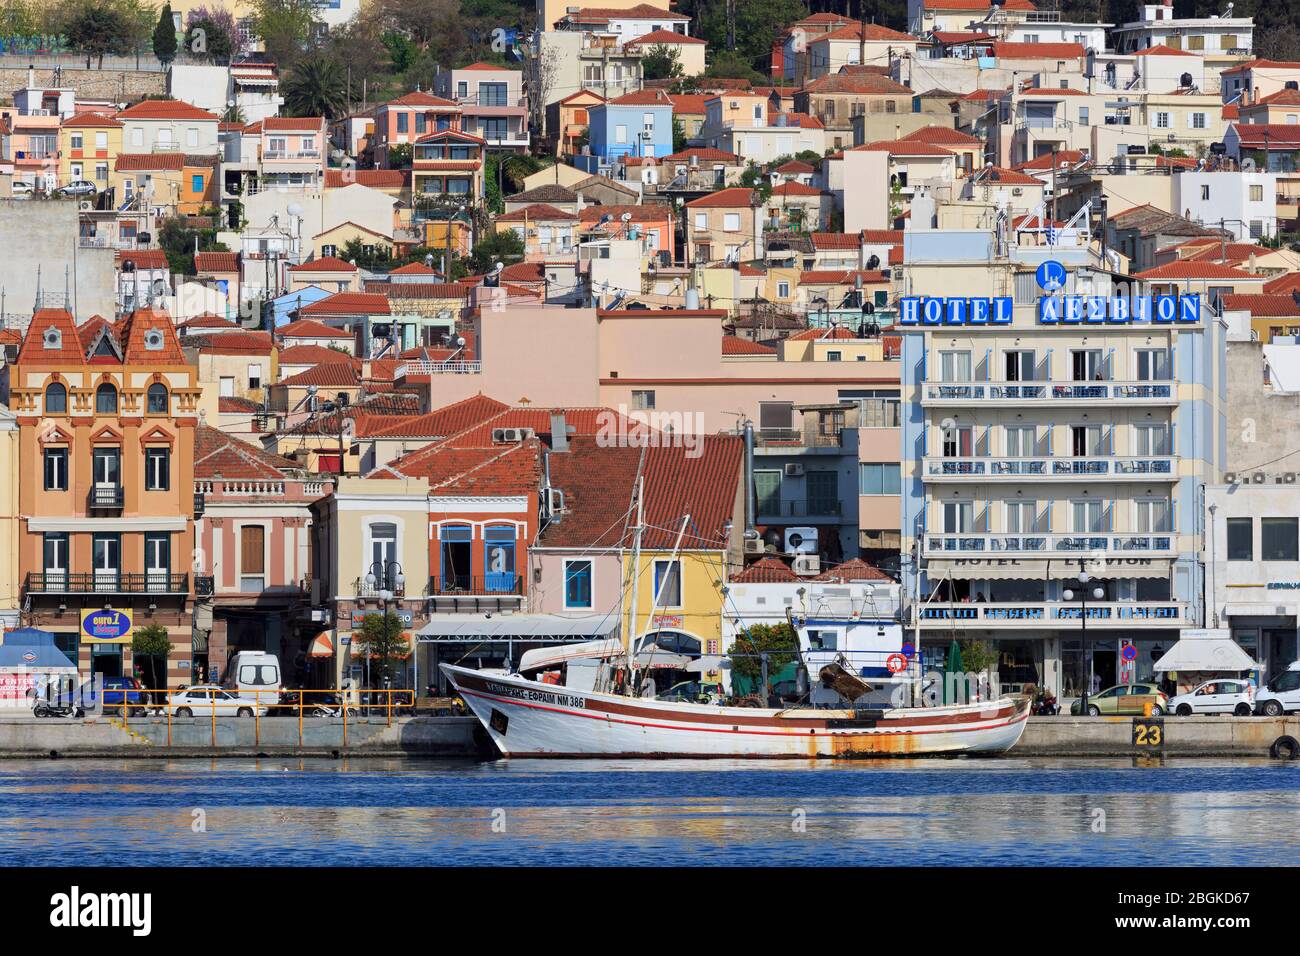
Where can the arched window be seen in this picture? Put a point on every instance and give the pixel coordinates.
(157, 399)
(106, 399)
(56, 399)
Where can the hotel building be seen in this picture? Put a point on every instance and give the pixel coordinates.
(1047, 434)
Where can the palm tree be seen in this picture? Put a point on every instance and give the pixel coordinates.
(316, 87)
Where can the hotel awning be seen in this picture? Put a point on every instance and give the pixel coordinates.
(1040, 569)
(477, 628)
(322, 645)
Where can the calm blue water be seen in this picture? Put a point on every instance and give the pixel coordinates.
(373, 811)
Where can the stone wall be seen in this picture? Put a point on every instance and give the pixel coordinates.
(121, 86)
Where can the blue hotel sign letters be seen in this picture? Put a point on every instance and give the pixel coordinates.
(1052, 310)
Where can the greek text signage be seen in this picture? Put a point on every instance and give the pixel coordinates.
(1052, 310)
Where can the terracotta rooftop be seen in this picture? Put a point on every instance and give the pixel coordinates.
(1280, 305)
(311, 329)
(767, 570)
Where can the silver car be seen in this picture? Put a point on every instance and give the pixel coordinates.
(1228, 696)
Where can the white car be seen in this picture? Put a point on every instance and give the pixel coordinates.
(20, 187)
(205, 699)
(1216, 697)
(1281, 695)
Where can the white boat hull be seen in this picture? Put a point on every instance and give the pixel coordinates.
(528, 718)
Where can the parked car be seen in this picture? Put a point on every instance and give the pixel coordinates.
(20, 187)
(1216, 697)
(116, 692)
(1281, 695)
(204, 699)
(79, 187)
(1124, 699)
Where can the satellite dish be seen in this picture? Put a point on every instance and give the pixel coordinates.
(1247, 165)
(294, 209)
(460, 341)
(626, 217)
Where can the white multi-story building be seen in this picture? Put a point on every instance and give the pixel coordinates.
(1245, 203)
(1209, 36)
(1049, 433)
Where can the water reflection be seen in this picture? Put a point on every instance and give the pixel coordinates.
(372, 811)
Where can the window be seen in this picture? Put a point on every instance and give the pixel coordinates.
(1279, 539)
(254, 375)
(731, 222)
(156, 399)
(1162, 121)
(252, 558)
(106, 400)
(954, 367)
(56, 557)
(56, 399)
(227, 386)
(620, 134)
(403, 122)
(419, 123)
(105, 553)
(76, 141)
(499, 558)
(1205, 193)
(1241, 543)
(783, 290)
(1154, 515)
(1256, 193)
(1153, 439)
(56, 469)
(643, 399)
(196, 183)
(775, 416)
(823, 640)
(879, 479)
(52, 339)
(822, 492)
(101, 140)
(1021, 441)
(1083, 116)
(157, 469)
(668, 584)
(1152, 365)
(767, 492)
(1196, 121)
(1022, 517)
(577, 584)
(834, 356)
(157, 561)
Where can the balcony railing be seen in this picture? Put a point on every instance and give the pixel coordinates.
(1057, 614)
(811, 437)
(1044, 543)
(1060, 393)
(283, 155)
(106, 496)
(467, 585)
(439, 368)
(106, 582)
(1099, 466)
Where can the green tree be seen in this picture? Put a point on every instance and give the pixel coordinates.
(164, 35)
(505, 247)
(316, 87)
(661, 62)
(149, 646)
(376, 260)
(381, 639)
(778, 641)
(679, 135)
(98, 28)
(733, 66)
(977, 656)
(757, 24)
(286, 28)
(756, 179)
(179, 236)
(399, 156)
(211, 33)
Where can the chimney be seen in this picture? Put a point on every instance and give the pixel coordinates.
(559, 433)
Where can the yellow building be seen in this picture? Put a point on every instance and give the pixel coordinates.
(679, 588)
(89, 144)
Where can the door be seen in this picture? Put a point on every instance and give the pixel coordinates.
(499, 559)
(454, 548)
(56, 561)
(157, 561)
(106, 561)
(1020, 365)
(1085, 365)
(107, 476)
(954, 367)
(1020, 441)
(1085, 440)
(822, 493)
(958, 442)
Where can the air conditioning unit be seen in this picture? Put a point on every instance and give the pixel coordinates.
(1017, 191)
(793, 469)
(1229, 477)
(754, 546)
(555, 500)
(1286, 478)
(800, 540)
(1172, 137)
(510, 436)
(807, 565)
(1259, 477)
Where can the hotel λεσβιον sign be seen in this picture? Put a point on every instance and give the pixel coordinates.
(1052, 310)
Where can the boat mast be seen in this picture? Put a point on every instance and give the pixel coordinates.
(636, 578)
(918, 694)
(635, 644)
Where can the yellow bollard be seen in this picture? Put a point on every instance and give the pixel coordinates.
(1146, 709)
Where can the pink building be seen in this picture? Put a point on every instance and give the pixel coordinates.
(492, 101)
(291, 150)
(31, 145)
(409, 117)
(253, 554)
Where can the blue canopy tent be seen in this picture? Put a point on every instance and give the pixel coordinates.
(29, 662)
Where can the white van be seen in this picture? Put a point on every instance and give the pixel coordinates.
(252, 671)
(1281, 695)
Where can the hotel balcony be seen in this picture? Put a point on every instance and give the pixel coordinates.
(106, 582)
(1058, 614)
(1048, 394)
(1095, 468)
(106, 498)
(1045, 544)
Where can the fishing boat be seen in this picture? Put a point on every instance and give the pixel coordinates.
(532, 718)
(597, 700)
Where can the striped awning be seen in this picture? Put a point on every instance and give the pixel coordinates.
(322, 645)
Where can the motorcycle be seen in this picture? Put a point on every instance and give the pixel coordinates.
(1045, 704)
(44, 708)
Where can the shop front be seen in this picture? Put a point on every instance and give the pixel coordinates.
(104, 642)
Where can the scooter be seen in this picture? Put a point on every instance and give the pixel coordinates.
(43, 708)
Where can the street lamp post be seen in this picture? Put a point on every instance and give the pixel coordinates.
(1097, 593)
(386, 580)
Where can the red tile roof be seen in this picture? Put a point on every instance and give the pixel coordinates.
(795, 188)
(216, 262)
(733, 197)
(311, 329)
(836, 240)
(327, 374)
(33, 349)
(794, 168)
(218, 455)
(880, 237)
(348, 303)
(1281, 305)
(208, 321)
(1259, 64)
(143, 258)
(855, 569)
(131, 162)
(311, 355)
(1000, 174)
(1287, 282)
(646, 97)
(165, 110)
(942, 136)
(1064, 157)
(1274, 135)
(689, 103)
(421, 98)
(839, 276)
(446, 421)
(731, 345)
(90, 121)
(767, 570)
(831, 333)
(597, 483)
(873, 31)
(306, 124)
(905, 147)
(324, 264)
(233, 343)
(414, 269)
(1191, 269)
(656, 37)
(537, 211)
(963, 5)
(703, 482)
(1161, 50)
